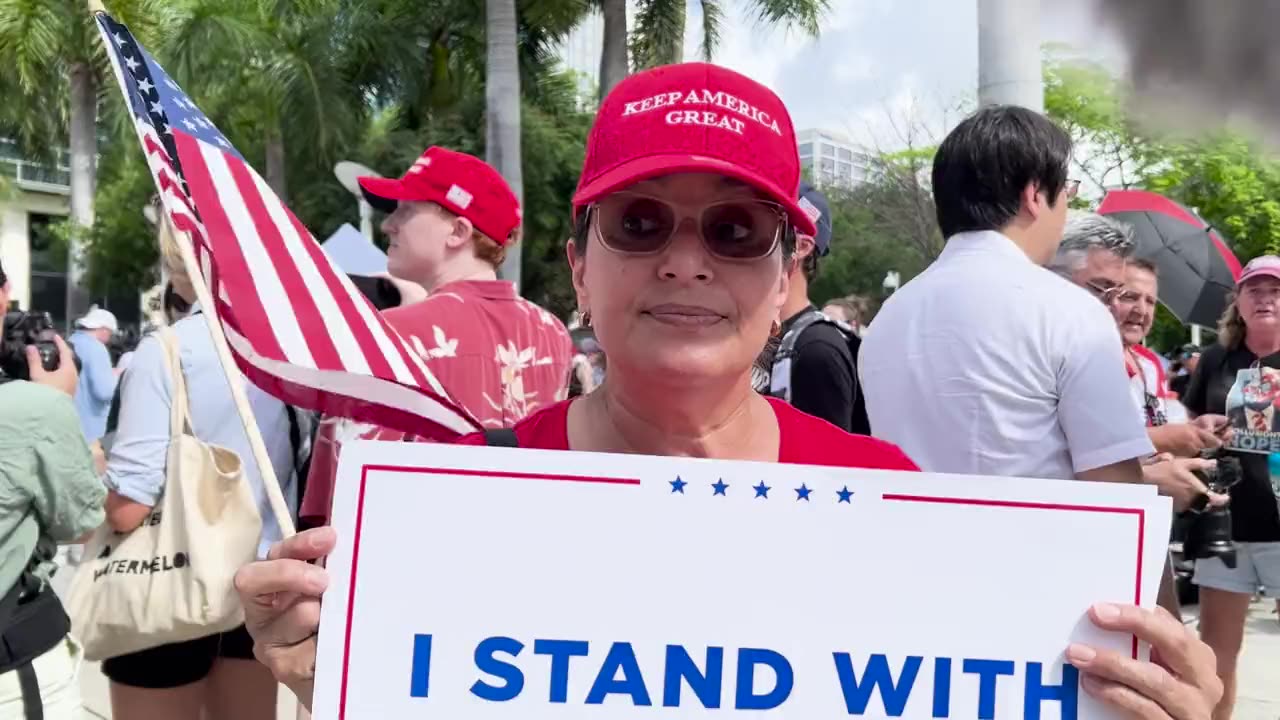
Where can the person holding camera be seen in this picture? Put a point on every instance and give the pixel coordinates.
(50, 494)
(1237, 377)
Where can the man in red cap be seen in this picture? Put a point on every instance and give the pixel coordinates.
(451, 218)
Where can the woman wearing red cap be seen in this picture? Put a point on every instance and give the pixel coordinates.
(686, 218)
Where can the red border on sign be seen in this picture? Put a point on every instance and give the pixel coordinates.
(355, 547)
(634, 482)
(1141, 513)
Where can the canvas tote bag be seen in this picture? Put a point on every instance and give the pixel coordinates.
(170, 580)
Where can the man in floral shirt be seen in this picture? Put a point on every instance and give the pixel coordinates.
(452, 218)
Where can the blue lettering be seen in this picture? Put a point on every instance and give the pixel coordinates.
(942, 687)
(893, 694)
(420, 669)
(620, 657)
(487, 663)
(747, 699)
(988, 672)
(680, 666)
(560, 652)
(1038, 692)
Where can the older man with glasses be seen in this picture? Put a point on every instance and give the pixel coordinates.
(1097, 254)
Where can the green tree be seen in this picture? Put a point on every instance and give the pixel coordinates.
(658, 37)
(1229, 179)
(391, 95)
(54, 70)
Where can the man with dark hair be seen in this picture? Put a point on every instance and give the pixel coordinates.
(988, 363)
(814, 367)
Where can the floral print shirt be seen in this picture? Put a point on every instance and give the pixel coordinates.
(498, 355)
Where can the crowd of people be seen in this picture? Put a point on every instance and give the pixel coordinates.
(1018, 352)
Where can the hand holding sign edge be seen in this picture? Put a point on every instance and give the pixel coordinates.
(281, 599)
(1181, 681)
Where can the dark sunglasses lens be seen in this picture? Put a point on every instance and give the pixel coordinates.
(740, 230)
(635, 224)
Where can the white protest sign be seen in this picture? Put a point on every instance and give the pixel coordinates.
(476, 582)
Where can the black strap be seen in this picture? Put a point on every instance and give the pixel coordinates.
(29, 685)
(501, 437)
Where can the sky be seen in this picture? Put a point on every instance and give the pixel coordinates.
(912, 61)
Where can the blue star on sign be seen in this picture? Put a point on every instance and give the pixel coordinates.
(720, 487)
(677, 486)
(802, 493)
(762, 490)
(844, 494)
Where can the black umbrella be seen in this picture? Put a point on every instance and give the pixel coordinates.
(1197, 269)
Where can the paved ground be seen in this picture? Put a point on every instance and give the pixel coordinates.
(1258, 697)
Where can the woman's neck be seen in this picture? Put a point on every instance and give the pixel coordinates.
(726, 420)
(1263, 343)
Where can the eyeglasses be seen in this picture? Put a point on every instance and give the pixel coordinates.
(1108, 294)
(739, 230)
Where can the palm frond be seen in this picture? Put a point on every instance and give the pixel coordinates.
(32, 34)
(659, 31)
(806, 15)
(712, 23)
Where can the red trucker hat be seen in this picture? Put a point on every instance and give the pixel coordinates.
(694, 117)
(462, 184)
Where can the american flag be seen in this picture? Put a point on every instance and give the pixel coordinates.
(297, 327)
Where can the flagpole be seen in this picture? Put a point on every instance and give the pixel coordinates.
(234, 378)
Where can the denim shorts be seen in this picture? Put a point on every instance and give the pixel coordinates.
(1257, 566)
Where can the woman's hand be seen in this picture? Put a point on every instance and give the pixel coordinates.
(281, 598)
(1181, 681)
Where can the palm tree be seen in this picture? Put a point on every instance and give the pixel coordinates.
(286, 84)
(613, 55)
(660, 26)
(54, 50)
(502, 99)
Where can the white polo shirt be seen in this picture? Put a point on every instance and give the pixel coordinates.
(988, 364)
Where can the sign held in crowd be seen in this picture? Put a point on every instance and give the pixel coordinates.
(545, 584)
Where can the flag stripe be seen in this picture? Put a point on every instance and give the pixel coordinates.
(282, 269)
(296, 326)
(229, 257)
(330, 320)
(246, 243)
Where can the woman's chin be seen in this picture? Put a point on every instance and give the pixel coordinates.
(682, 364)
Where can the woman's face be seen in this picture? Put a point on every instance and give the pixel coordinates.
(1259, 303)
(680, 313)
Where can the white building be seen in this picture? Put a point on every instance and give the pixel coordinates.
(580, 52)
(33, 198)
(832, 159)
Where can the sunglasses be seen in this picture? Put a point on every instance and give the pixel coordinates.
(739, 230)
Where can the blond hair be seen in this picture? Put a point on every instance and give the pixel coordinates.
(1231, 328)
(171, 262)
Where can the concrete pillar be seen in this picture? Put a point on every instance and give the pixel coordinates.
(15, 253)
(1009, 64)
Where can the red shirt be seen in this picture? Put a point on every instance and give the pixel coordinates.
(498, 355)
(805, 440)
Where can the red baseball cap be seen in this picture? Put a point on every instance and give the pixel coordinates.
(694, 117)
(1263, 266)
(462, 184)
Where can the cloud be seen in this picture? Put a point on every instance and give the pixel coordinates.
(877, 59)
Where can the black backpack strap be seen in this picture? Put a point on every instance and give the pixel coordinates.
(501, 437)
